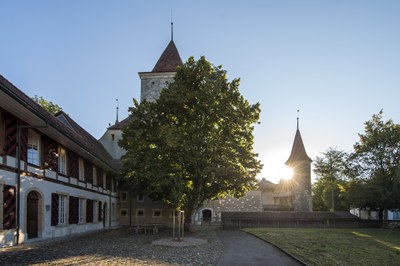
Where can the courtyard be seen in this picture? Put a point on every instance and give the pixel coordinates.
(115, 247)
(123, 246)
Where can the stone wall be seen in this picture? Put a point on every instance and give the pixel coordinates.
(232, 220)
(153, 83)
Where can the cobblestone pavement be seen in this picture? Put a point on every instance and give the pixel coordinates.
(115, 247)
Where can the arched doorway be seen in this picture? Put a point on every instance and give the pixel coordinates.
(206, 215)
(32, 216)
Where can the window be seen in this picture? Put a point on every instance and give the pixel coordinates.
(140, 213)
(81, 169)
(140, 198)
(62, 207)
(94, 176)
(82, 209)
(157, 213)
(124, 213)
(62, 161)
(396, 215)
(95, 211)
(33, 147)
(173, 213)
(112, 137)
(123, 196)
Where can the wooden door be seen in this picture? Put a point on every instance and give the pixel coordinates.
(207, 215)
(32, 214)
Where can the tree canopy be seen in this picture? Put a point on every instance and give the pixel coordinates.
(376, 160)
(368, 177)
(331, 171)
(50, 107)
(195, 142)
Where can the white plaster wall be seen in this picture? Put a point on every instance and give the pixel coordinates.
(112, 145)
(45, 189)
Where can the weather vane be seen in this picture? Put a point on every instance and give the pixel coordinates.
(116, 121)
(298, 110)
(172, 27)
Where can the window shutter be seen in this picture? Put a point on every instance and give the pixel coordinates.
(9, 207)
(73, 210)
(88, 172)
(24, 144)
(100, 177)
(50, 154)
(54, 209)
(10, 142)
(100, 214)
(108, 181)
(89, 211)
(73, 164)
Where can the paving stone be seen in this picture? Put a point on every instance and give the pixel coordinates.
(115, 247)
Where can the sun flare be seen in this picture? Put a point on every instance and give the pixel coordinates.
(276, 173)
(287, 173)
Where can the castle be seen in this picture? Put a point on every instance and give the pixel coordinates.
(56, 179)
(292, 195)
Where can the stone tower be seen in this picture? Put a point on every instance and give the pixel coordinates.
(301, 165)
(151, 85)
(163, 73)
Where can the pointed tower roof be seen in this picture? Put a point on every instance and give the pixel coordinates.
(169, 60)
(298, 151)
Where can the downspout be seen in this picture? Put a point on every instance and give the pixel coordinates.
(109, 210)
(18, 191)
(130, 208)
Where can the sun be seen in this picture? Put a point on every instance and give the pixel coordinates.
(287, 173)
(277, 172)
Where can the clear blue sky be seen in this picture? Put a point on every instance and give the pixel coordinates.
(336, 61)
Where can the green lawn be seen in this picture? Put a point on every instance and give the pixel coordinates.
(336, 246)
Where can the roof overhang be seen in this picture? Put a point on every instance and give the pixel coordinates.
(16, 106)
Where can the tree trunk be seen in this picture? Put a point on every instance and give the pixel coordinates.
(189, 210)
(381, 214)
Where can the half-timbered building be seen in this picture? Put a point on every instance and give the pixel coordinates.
(55, 178)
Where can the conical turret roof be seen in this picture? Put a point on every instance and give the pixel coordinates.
(169, 60)
(298, 151)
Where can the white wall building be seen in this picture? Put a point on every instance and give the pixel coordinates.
(55, 178)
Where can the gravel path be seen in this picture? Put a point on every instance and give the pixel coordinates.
(115, 247)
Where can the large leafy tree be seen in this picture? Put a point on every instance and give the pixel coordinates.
(328, 190)
(194, 143)
(50, 107)
(376, 161)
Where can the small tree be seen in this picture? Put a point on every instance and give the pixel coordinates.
(50, 107)
(195, 142)
(331, 171)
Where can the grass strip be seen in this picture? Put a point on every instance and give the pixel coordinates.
(336, 246)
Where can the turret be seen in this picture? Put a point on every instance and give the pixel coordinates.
(162, 74)
(301, 166)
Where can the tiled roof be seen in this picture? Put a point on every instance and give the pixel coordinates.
(266, 184)
(298, 151)
(65, 125)
(169, 60)
(120, 125)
